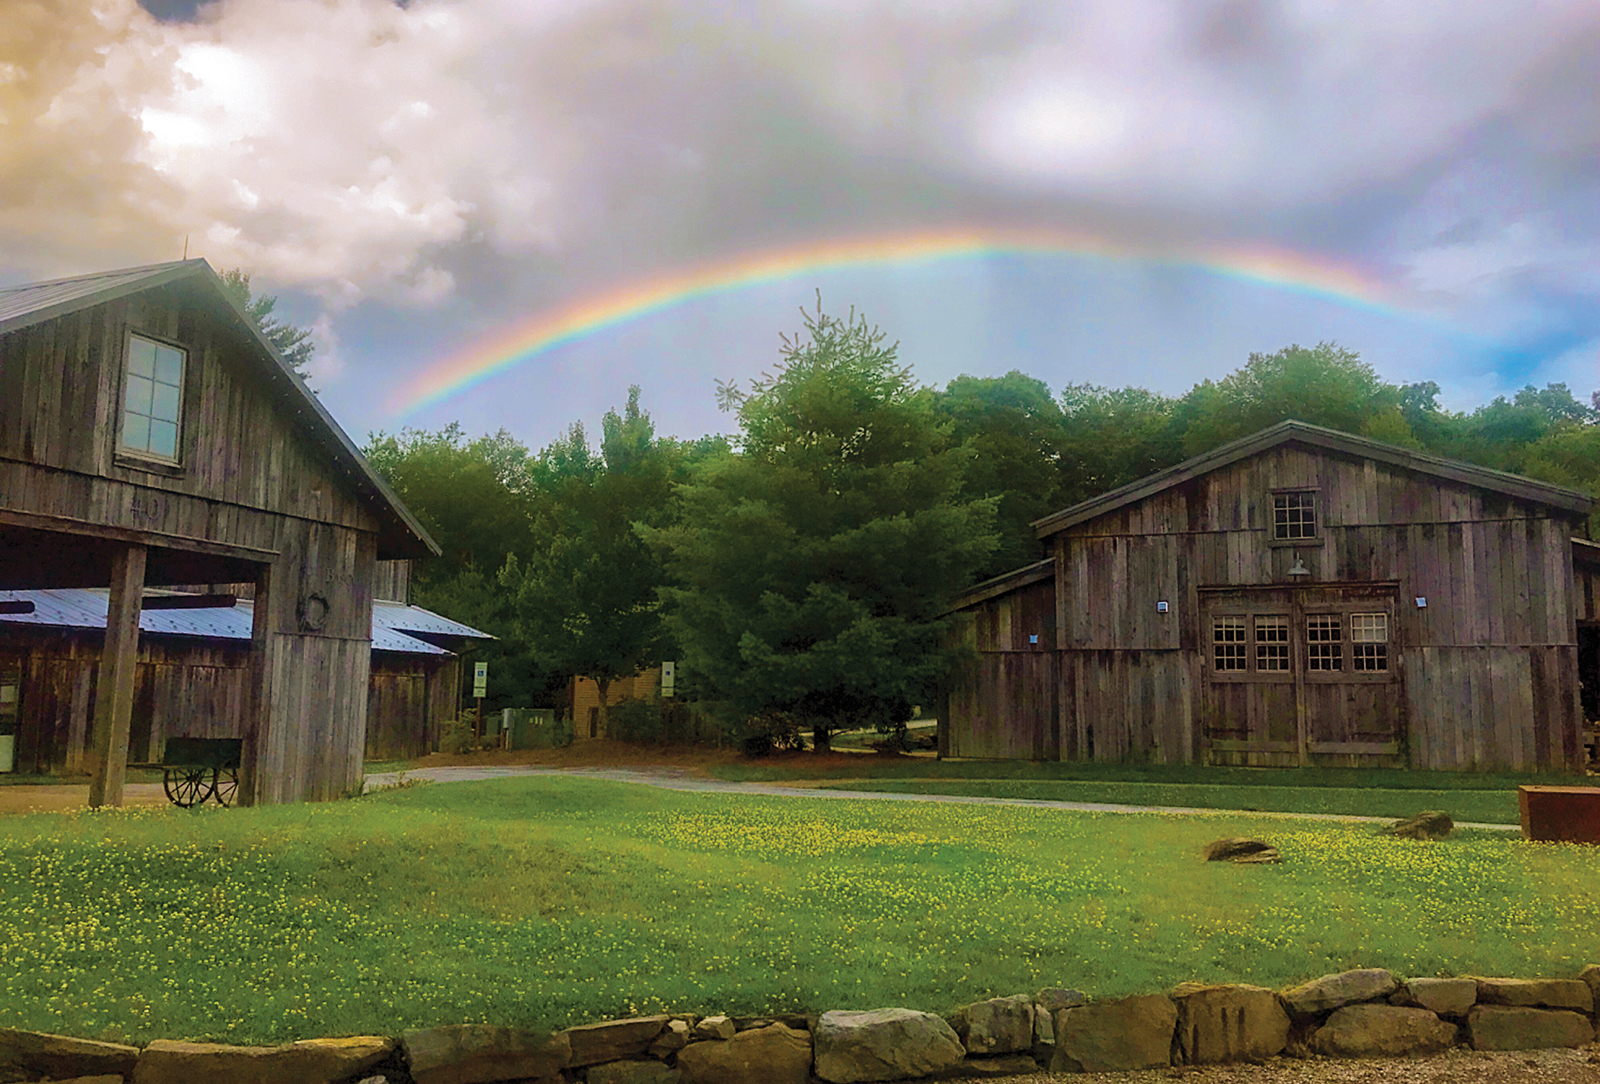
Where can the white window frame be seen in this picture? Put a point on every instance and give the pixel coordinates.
(132, 385)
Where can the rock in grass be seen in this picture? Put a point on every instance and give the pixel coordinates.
(714, 1027)
(1052, 998)
(1572, 994)
(1505, 1027)
(1365, 1031)
(776, 1054)
(1228, 1023)
(477, 1053)
(613, 1040)
(1428, 825)
(633, 1072)
(1447, 997)
(1240, 850)
(1336, 991)
(61, 1056)
(313, 1061)
(1001, 1025)
(883, 1044)
(1113, 1036)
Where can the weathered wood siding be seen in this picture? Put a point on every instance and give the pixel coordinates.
(1487, 666)
(409, 699)
(1001, 703)
(392, 581)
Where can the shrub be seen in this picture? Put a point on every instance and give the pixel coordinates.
(636, 720)
(459, 735)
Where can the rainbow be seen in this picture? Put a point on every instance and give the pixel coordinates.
(537, 335)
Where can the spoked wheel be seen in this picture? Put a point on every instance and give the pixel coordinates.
(187, 787)
(224, 785)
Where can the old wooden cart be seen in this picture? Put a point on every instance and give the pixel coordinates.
(197, 770)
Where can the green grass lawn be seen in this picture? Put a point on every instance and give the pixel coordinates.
(1484, 798)
(543, 902)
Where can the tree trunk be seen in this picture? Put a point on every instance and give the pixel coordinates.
(821, 737)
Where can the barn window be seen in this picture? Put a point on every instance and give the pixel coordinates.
(152, 399)
(1324, 647)
(1294, 515)
(1272, 643)
(1228, 641)
(1369, 641)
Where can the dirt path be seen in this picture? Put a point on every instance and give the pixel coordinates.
(58, 798)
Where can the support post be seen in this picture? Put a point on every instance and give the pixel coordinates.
(257, 724)
(113, 710)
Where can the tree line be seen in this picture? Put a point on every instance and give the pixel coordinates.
(799, 567)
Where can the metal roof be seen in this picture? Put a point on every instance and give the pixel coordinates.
(33, 303)
(403, 618)
(85, 608)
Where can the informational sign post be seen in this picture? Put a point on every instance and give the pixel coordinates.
(480, 686)
(669, 675)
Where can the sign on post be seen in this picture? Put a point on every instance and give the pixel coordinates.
(480, 679)
(669, 674)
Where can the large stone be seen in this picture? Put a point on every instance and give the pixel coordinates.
(1505, 1027)
(1111, 1036)
(1591, 977)
(1428, 825)
(107, 1078)
(1336, 991)
(1044, 1035)
(883, 1044)
(715, 1027)
(1002, 1025)
(1228, 1023)
(1364, 1031)
(633, 1072)
(1447, 997)
(1240, 850)
(313, 1061)
(1004, 1065)
(1572, 994)
(61, 1056)
(777, 1054)
(482, 1053)
(613, 1040)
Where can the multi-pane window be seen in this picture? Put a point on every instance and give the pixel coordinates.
(1294, 515)
(1272, 643)
(1228, 643)
(1369, 641)
(1324, 646)
(152, 398)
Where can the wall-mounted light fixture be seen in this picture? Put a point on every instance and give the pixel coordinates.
(1299, 568)
(1161, 607)
(1422, 603)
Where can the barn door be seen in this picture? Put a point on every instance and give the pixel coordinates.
(1250, 702)
(1302, 675)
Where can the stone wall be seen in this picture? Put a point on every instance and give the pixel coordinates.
(1364, 1013)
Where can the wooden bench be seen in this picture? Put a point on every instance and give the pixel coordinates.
(1560, 814)
(196, 770)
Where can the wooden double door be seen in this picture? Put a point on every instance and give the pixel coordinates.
(1302, 675)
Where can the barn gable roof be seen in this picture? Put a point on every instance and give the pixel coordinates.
(1511, 485)
(36, 302)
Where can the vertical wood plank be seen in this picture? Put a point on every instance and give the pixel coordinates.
(114, 699)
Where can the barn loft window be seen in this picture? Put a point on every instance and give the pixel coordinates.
(152, 399)
(1324, 646)
(1228, 643)
(1294, 515)
(1369, 642)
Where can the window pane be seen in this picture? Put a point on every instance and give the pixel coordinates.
(135, 431)
(169, 365)
(141, 357)
(1323, 648)
(140, 393)
(165, 405)
(1369, 628)
(1294, 515)
(1228, 643)
(1272, 643)
(164, 439)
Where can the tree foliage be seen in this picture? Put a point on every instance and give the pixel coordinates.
(292, 343)
(811, 570)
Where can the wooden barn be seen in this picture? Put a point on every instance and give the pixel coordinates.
(1300, 596)
(192, 675)
(151, 437)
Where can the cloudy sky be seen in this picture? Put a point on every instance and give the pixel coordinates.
(1171, 185)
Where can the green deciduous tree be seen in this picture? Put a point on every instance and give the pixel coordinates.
(585, 592)
(293, 343)
(811, 569)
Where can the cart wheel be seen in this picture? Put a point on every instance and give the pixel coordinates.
(186, 787)
(224, 785)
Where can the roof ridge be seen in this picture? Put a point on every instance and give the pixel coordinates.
(144, 269)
